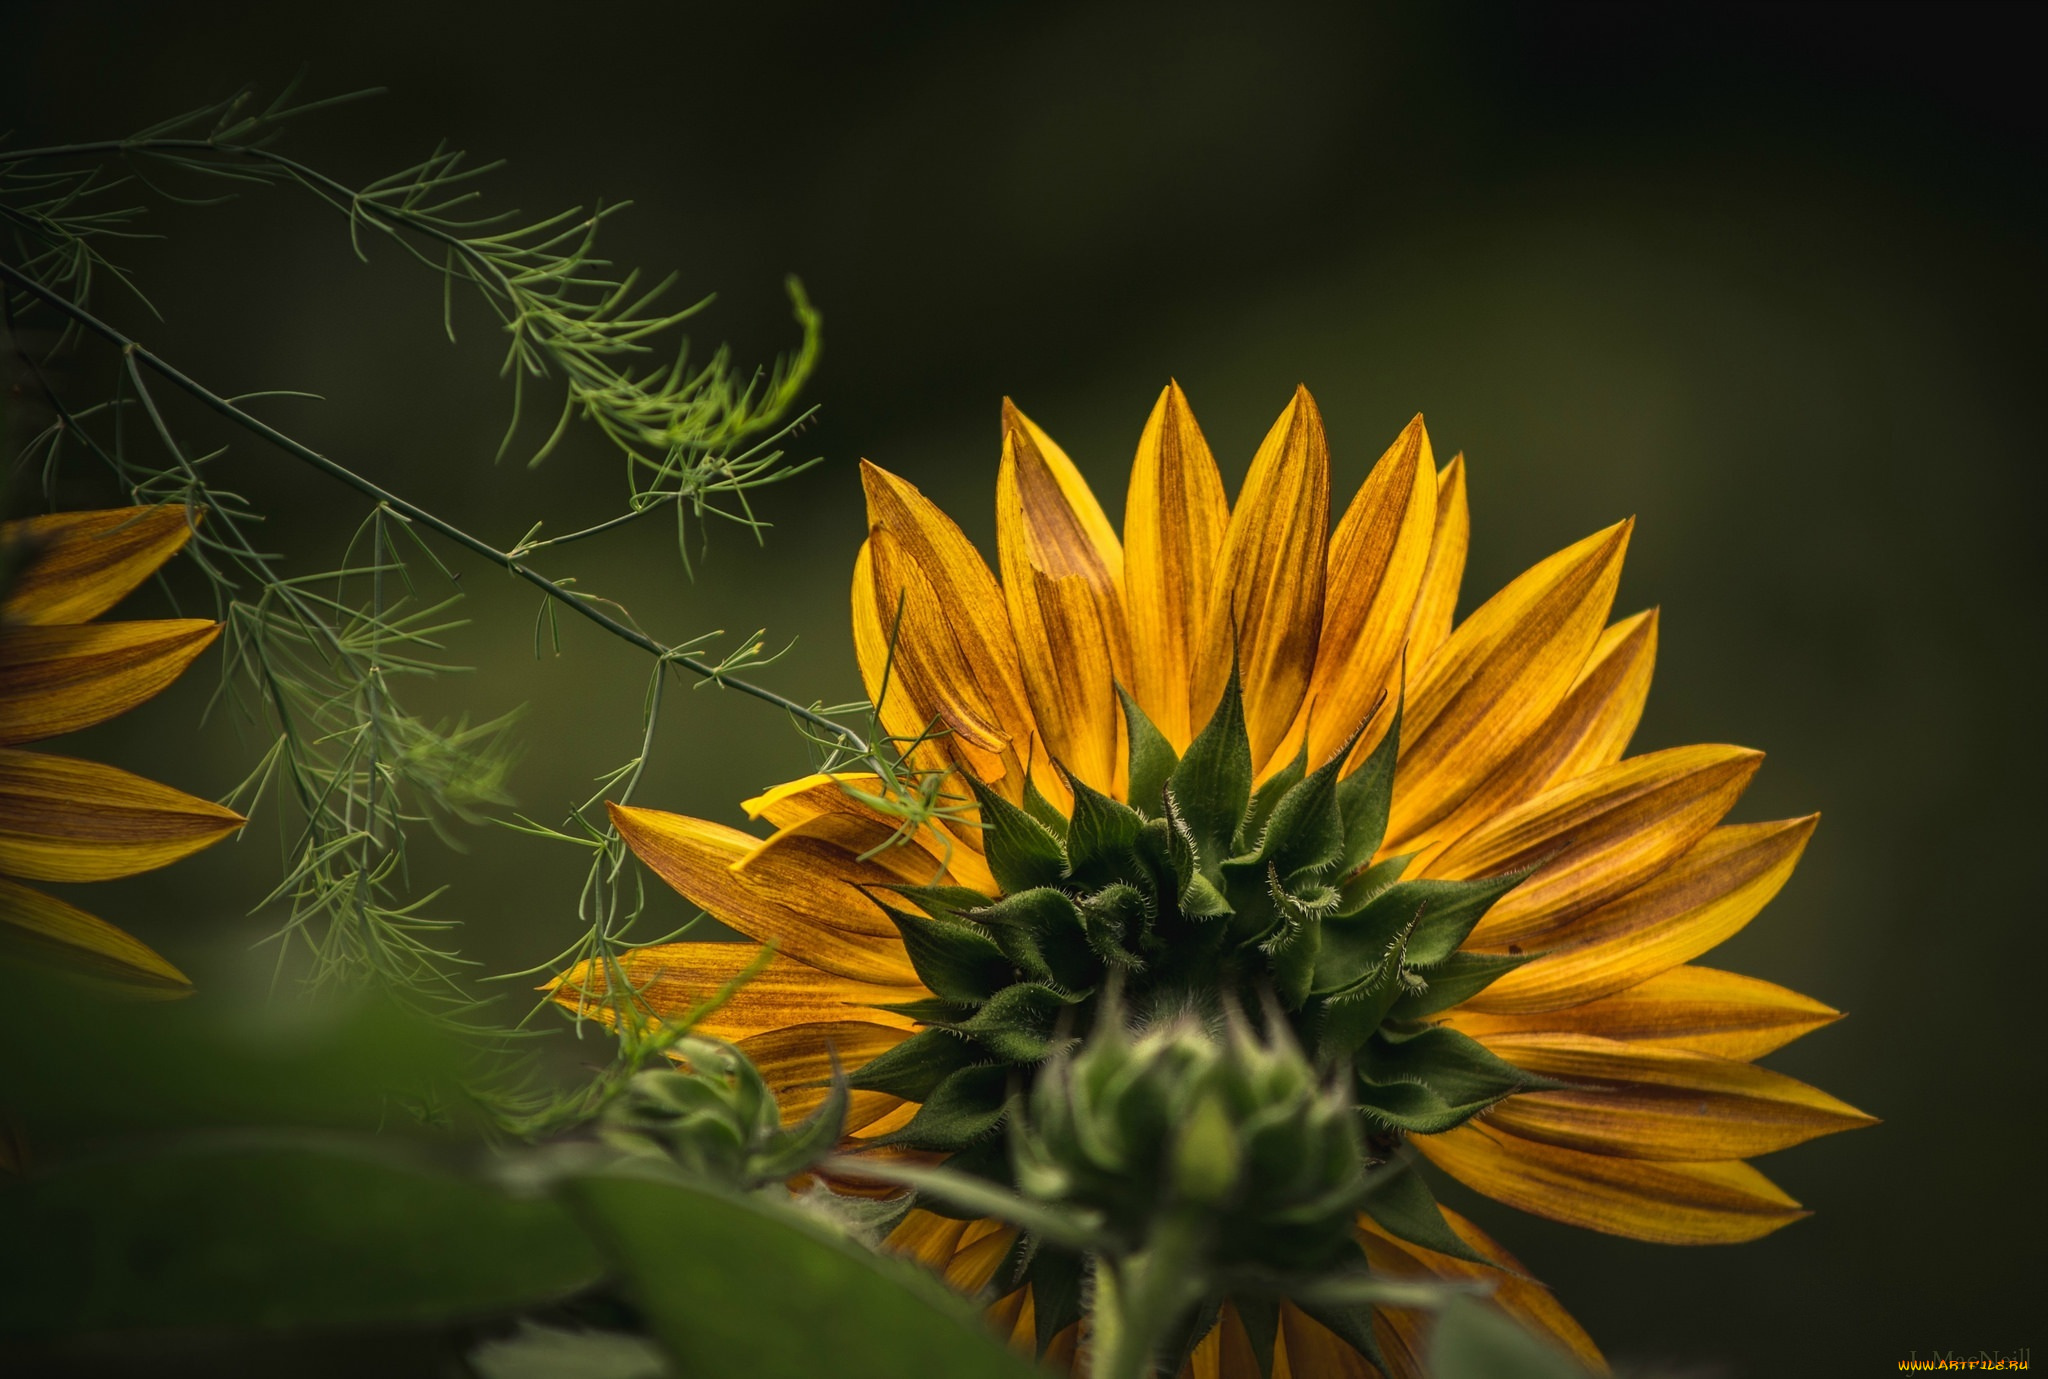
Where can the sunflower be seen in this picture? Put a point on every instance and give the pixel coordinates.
(1237, 755)
(67, 820)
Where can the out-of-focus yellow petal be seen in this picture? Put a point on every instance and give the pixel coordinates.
(1376, 562)
(1698, 1008)
(926, 1238)
(817, 915)
(1664, 1203)
(1696, 902)
(1064, 589)
(83, 563)
(796, 1062)
(1498, 677)
(1603, 834)
(1436, 602)
(1310, 1350)
(673, 979)
(1641, 1102)
(49, 928)
(970, 600)
(1589, 729)
(62, 819)
(981, 1251)
(1513, 1290)
(1226, 1352)
(800, 801)
(59, 679)
(1269, 594)
(1174, 520)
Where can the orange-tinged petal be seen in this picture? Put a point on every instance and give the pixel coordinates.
(672, 979)
(806, 901)
(962, 586)
(1698, 1008)
(59, 679)
(1269, 595)
(800, 801)
(63, 933)
(803, 1055)
(859, 850)
(1665, 1203)
(1310, 1350)
(1589, 728)
(1597, 837)
(1174, 520)
(1064, 590)
(934, 664)
(1514, 1290)
(1482, 693)
(83, 563)
(1376, 563)
(980, 1253)
(62, 819)
(1436, 602)
(926, 1238)
(1696, 902)
(1640, 1102)
(875, 630)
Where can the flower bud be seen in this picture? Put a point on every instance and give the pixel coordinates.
(715, 1118)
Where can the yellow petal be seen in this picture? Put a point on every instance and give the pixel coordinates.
(1498, 677)
(971, 1269)
(926, 1238)
(1697, 1008)
(62, 819)
(1437, 600)
(1269, 595)
(932, 663)
(83, 563)
(1226, 1352)
(1313, 1351)
(1589, 729)
(800, 801)
(816, 917)
(1698, 901)
(673, 979)
(961, 585)
(1511, 1287)
(803, 1055)
(1174, 520)
(1376, 562)
(1064, 591)
(59, 679)
(1640, 1102)
(859, 851)
(1665, 1203)
(1603, 834)
(46, 926)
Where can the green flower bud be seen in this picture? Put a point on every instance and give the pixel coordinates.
(715, 1118)
(1208, 1115)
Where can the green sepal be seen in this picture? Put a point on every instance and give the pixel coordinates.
(1402, 1205)
(1363, 948)
(1056, 1277)
(1042, 932)
(932, 1010)
(1152, 759)
(1211, 788)
(1268, 796)
(1018, 1022)
(1367, 794)
(1291, 958)
(915, 1068)
(1197, 894)
(1102, 838)
(1444, 911)
(1021, 852)
(1433, 1079)
(1044, 810)
(1458, 978)
(1182, 1340)
(964, 1109)
(957, 960)
(1114, 917)
(1260, 1314)
(1349, 1018)
(1306, 832)
(805, 1143)
(1366, 887)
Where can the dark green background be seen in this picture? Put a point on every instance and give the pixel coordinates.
(1768, 278)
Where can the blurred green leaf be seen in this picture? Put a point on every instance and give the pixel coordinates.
(1474, 1341)
(735, 1286)
(269, 1238)
(547, 1352)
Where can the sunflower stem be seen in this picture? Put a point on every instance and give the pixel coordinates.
(1142, 1298)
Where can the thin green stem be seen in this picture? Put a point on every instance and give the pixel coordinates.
(1141, 1299)
(138, 353)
